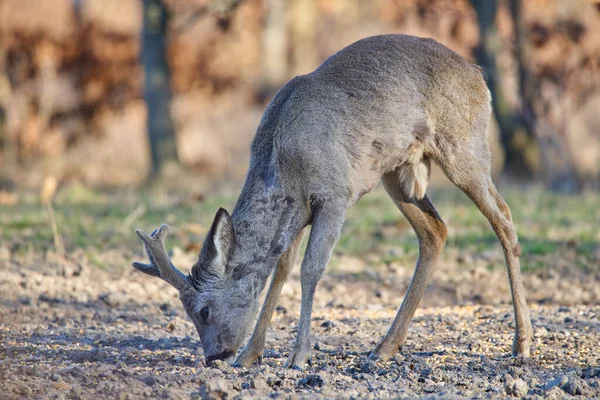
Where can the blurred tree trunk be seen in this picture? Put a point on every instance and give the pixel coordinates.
(303, 18)
(515, 138)
(157, 85)
(275, 46)
(558, 170)
(6, 145)
(288, 43)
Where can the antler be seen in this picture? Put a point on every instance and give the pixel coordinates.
(160, 263)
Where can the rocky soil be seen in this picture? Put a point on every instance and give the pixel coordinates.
(73, 330)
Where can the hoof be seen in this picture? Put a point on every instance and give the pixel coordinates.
(298, 360)
(382, 352)
(245, 360)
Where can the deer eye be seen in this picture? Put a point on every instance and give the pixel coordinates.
(204, 314)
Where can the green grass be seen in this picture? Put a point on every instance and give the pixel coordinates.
(375, 230)
(547, 224)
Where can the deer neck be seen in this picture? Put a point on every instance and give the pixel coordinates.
(265, 223)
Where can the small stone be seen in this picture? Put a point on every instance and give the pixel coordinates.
(312, 380)
(217, 388)
(328, 325)
(24, 390)
(260, 384)
(44, 298)
(554, 394)
(575, 386)
(590, 372)
(516, 387)
(98, 355)
(221, 365)
(558, 381)
(149, 380)
(273, 380)
(24, 300)
(73, 371)
(281, 310)
(426, 373)
(368, 366)
(540, 332)
(55, 377)
(31, 371)
(175, 394)
(124, 368)
(69, 269)
(109, 299)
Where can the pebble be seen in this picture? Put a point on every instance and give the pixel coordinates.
(31, 371)
(558, 381)
(24, 390)
(574, 386)
(312, 380)
(166, 365)
(44, 298)
(24, 300)
(216, 388)
(540, 332)
(74, 371)
(149, 380)
(328, 325)
(516, 387)
(368, 366)
(110, 299)
(281, 309)
(260, 384)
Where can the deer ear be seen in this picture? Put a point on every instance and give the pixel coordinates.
(222, 236)
(217, 249)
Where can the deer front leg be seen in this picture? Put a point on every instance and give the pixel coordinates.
(255, 346)
(326, 226)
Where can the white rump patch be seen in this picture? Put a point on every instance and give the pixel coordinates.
(414, 173)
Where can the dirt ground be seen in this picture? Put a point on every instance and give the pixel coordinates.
(72, 330)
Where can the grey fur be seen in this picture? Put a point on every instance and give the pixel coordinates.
(379, 110)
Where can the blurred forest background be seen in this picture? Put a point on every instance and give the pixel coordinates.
(127, 114)
(73, 103)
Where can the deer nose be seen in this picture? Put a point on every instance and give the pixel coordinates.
(221, 356)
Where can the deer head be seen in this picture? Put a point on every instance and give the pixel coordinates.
(220, 306)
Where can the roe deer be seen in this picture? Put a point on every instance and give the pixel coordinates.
(381, 109)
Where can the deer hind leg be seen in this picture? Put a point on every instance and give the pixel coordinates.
(256, 344)
(470, 171)
(498, 214)
(431, 233)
